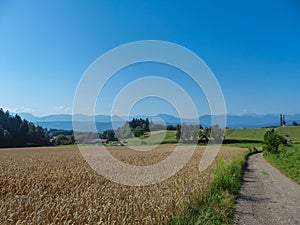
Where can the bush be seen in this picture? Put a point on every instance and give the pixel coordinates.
(228, 177)
(64, 139)
(138, 131)
(272, 141)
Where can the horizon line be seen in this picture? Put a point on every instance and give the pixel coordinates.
(140, 115)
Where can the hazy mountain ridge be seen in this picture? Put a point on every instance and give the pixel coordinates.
(104, 122)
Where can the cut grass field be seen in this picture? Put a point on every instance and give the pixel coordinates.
(245, 138)
(246, 134)
(55, 185)
(293, 132)
(287, 161)
(155, 138)
(258, 134)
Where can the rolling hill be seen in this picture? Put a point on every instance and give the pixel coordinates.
(103, 122)
(257, 134)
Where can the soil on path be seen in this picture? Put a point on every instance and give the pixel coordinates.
(267, 196)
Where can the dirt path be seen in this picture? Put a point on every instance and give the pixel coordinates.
(267, 196)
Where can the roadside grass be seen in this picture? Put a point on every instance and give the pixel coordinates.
(287, 161)
(217, 207)
(249, 145)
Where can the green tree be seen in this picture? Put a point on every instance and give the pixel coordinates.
(272, 141)
(110, 135)
(17, 132)
(204, 135)
(171, 127)
(283, 120)
(184, 133)
(59, 139)
(1, 134)
(23, 131)
(187, 133)
(7, 138)
(144, 124)
(194, 133)
(138, 131)
(124, 132)
(217, 134)
(178, 132)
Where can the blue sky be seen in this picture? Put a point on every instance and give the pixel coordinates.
(252, 47)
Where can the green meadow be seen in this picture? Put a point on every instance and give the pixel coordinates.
(154, 138)
(239, 137)
(258, 133)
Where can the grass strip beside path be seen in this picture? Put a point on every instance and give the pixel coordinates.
(217, 207)
(287, 161)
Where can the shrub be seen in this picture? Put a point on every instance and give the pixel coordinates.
(272, 141)
(138, 131)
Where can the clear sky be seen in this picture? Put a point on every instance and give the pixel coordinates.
(253, 48)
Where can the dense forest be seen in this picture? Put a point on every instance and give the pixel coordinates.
(17, 132)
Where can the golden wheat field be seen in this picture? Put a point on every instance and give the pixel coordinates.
(55, 185)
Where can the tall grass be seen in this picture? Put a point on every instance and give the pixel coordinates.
(287, 161)
(217, 206)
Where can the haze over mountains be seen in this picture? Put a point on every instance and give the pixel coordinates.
(104, 122)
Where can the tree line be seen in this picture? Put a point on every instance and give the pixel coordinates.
(184, 133)
(17, 132)
(197, 134)
(134, 128)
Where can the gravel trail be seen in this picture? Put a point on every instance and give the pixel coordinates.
(267, 196)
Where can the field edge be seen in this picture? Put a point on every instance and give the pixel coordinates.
(217, 207)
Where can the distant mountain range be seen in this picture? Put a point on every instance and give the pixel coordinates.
(104, 122)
